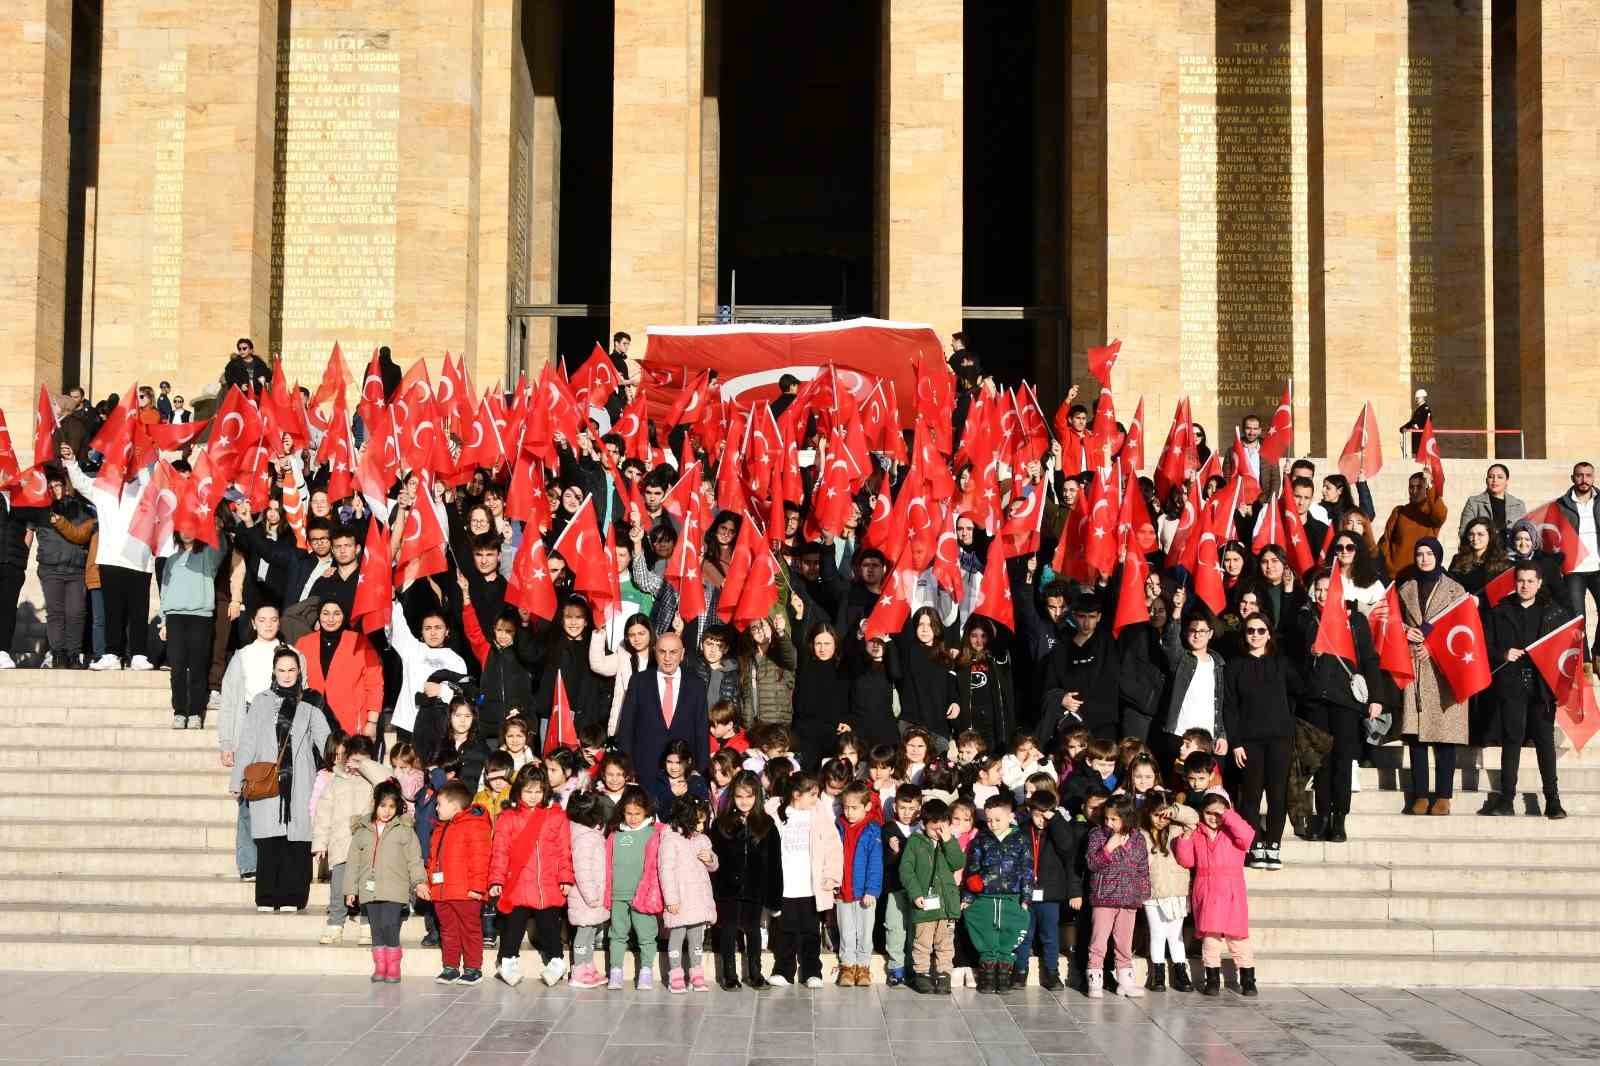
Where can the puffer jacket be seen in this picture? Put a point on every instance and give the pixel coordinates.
(347, 797)
(1168, 877)
(722, 683)
(929, 869)
(1120, 878)
(998, 867)
(767, 682)
(589, 902)
(685, 880)
(459, 851)
(62, 533)
(392, 860)
(532, 857)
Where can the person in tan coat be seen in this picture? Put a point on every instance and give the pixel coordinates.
(348, 797)
(1422, 516)
(386, 869)
(1432, 716)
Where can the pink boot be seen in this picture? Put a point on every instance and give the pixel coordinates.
(675, 983)
(380, 965)
(697, 980)
(392, 976)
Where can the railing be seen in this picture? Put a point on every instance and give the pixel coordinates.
(1522, 448)
(772, 314)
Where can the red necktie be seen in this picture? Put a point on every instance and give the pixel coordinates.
(667, 702)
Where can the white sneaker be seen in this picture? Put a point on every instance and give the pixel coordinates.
(106, 662)
(777, 981)
(554, 971)
(214, 700)
(288, 910)
(139, 662)
(180, 722)
(813, 982)
(264, 910)
(510, 971)
(6, 662)
(331, 935)
(1097, 984)
(364, 935)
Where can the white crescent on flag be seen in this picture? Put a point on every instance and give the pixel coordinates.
(1450, 638)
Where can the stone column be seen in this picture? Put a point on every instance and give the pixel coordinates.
(36, 49)
(543, 170)
(920, 211)
(655, 182)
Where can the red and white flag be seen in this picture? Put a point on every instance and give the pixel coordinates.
(530, 585)
(1363, 454)
(371, 609)
(1428, 456)
(1455, 643)
(993, 599)
(1280, 434)
(1389, 634)
(1334, 636)
(45, 425)
(1102, 359)
(1557, 536)
(563, 730)
(1559, 658)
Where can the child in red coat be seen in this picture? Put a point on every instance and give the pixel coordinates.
(458, 879)
(1216, 852)
(530, 873)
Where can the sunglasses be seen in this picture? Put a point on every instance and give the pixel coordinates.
(1255, 631)
(1346, 549)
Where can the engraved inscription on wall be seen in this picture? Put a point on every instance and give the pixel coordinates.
(166, 203)
(1415, 261)
(521, 218)
(334, 227)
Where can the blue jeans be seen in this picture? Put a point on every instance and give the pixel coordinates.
(97, 604)
(1044, 922)
(244, 845)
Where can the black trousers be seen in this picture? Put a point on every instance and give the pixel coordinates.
(1332, 784)
(10, 590)
(283, 872)
(385, 919)
(738, 929)
(189, 658)
(546, 923)
(1266, 772)
(1527, 719)
(1577, 585)
(127, 595)
(797, 940)
(65, 604)
(1444, 770)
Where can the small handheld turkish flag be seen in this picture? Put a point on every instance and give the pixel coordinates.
(563, 732)
(1455, 644)
(1334, 636)
(1559, 657)
(1102, 359)
(1428, 456)
(993, 600)
(1389, 634)
(1363, 455)
(1280, 435)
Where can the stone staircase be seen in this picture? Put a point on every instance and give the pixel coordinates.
(116, 853)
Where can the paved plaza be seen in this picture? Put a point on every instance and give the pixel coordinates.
(309, 1021)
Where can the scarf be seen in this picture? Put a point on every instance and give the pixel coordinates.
(852, 834)
(290, 698)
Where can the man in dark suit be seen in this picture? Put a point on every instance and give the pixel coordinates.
(663, 703)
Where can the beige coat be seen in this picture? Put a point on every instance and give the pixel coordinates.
(1427, 715)
(348, 797)
(1167, 878)
(398, 868)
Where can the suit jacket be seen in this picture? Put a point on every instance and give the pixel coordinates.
(643, 734)
(353, 686)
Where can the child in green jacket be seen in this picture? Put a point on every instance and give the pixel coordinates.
(928, 869)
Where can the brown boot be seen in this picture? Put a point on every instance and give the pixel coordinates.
(847, 976)
(1440, 806)
(1418, 806)
(863, 976)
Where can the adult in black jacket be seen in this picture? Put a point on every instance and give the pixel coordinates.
(984, 688)
(1082, 682)
(1331, 706)
(1527, 706)
(564, 649)
(746, 845)
(871, 715)
(821, 695)
(1259, 689)
(921, 671)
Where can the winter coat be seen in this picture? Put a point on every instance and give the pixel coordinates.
(589, 902)
(766, 682)
(1479, 507)
(258, 742)
(1327, 677)
(827, 861)
(865, 865)
(586, 690)
(1431, 712)
(61, 534)
(871, 714)
(531, 857)
(685, 880)
(347, 798)
(1168, 877)
(1258, 697)
(1118, 878)
(928, 869)
(615, 665)
(189, 582)
(927, 684)
(1056, 871)
(722, 684)
(821, 700)
(998, 867)
(352, 687)
(1407, 524)
(393, 860)
(745, 865)
(458, 856)
(1184, 665)
(1094, 672)
(1510, 625)
(507, 677)
(997, 722)
(1217, 897)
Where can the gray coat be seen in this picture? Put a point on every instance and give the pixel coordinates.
(258, 742)
(1478, 507)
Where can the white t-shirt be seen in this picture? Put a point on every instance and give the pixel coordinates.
(1199, 709)
(1586, 534)
(794, 846)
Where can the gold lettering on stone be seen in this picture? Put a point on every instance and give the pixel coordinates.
(521, 219)
(166, 200)
(1415, 260)
(334, 224)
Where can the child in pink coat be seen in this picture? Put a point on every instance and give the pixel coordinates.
(1216, 852)
(589, 902)
(686, 862)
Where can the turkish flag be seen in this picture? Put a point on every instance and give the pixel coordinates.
(580, 544)
(172, 436)
(893, 605)
(1296, 543)
(731, 493)
(1179, 457)
(1101, 360)
(1500, 586)
(1100, 544)
(1031, 424)
(832, 501)
(887, 529)
(44, 428)
(1185, 539)
(1248, 484)
(454, 397)
(153, 516)
(597, 379)
(1024, 517)
(1211, 469)
(947, 558)
(1389, 634)
(197, 504)
(691, 401)
(337, 451)
(760, 592)
(374, 582)
(993, 599)
(1132, 607)
(633, 426)
(416, 419)
(422, 533)
(1334, 636)
(683, 566)
(235, 430)
(1363, 454)
(530, 585)
(935, 400)
(1269, 525)
(745, 547)
(1556, 535)
(10, 469)
(1428, 456)
(30, 489)
(1455, 643)
(563, 731)
(335, 378)
(1559, 657)
(1280, 434)
(284, 417)
(1208, 572)
(481, 444)
(1132, 453)
(1068, 558)
(115, 442)
(1135, 529)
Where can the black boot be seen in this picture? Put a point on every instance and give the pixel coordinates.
(1213, 984)
(1553, 809)
(1247, 981)
(1312, 830)
(941, 983)
(983, 976)
(1019, 978)
(752, 961)
(1335, 831)
(729, 980)
(1155, 978)
(1180, 977)
(921, 983)
(1049, 980)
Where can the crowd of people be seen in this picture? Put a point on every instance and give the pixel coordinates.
(948, 739)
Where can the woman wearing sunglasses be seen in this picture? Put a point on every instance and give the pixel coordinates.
(1259, 689)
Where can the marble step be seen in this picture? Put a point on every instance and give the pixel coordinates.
(1429, 908)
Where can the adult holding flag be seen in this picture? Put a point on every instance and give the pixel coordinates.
(1580, 506)
(1434, 707)
(1422, 515)
(1530, 638)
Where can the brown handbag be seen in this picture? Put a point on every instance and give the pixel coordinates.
(260, 780)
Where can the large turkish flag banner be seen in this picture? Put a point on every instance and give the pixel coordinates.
(750, 358)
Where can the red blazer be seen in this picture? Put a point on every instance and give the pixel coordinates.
(353, 686)
(532, 857)
(460, 850)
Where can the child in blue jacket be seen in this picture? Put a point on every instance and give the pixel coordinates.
(862, 885)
